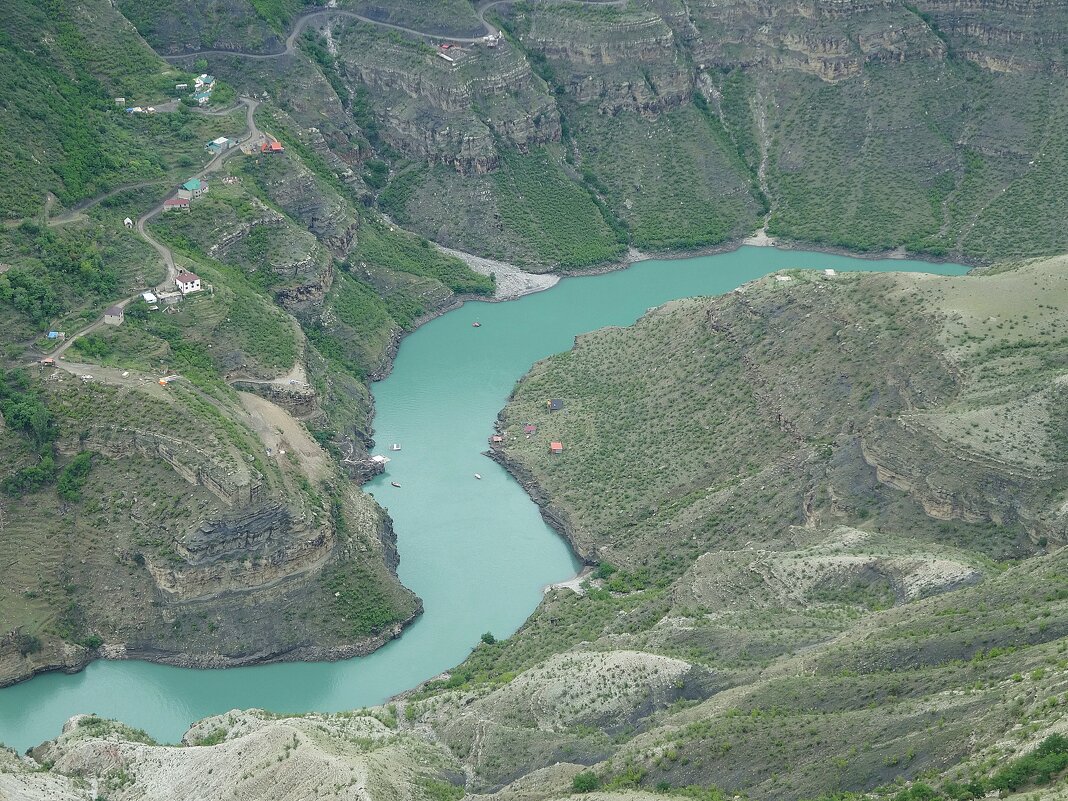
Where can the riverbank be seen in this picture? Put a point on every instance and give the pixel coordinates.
(761, 239)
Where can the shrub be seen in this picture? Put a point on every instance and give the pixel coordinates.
(585, 782)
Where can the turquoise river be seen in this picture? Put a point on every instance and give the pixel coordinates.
(477, 552)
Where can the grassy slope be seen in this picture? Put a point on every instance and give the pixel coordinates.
(65, 66)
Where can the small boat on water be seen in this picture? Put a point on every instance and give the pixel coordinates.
(478, 476)
(394, 484)
(476, 325)
(394, 447)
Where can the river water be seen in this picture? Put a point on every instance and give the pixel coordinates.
(477, 552)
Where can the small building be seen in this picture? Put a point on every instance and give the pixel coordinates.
(556, 447)
(149, 298)
(829, 273)
(128, 222)
(113, 316)
(193, 189)
(219, 145)
(446, 57)
(555, 404)
(176, 204)
(57, 335)
(529, 428)
(187, 282)
(496, 439)
(178, 87)
(120, 101)
(273, 146)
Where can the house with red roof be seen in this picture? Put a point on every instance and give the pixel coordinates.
(176, 204)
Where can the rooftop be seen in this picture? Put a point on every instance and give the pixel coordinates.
(186, 277)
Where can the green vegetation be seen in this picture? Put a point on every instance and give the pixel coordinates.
(214, 737)
(1041, 766)
(559, 221)
(585, 782)
(381, 246)
(73, 477)
(675, 181)
(362, 603)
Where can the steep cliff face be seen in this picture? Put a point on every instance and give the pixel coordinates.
(204, 25)
(618, 61)
(1012, 37)
(830, 40)
(447, 106)
(194, 534)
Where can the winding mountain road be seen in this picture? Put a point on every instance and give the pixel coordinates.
(303, 20)
(251, 134)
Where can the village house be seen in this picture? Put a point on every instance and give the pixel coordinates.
(128, 222)
(187, 282)
(554, 405)
(176, 204)
(496, 439)
(219, 145)
(273, 146)
(193, 189)
(556, 447)
(149, 297)
(113, 316)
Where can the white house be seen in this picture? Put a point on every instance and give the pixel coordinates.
(149, 297)
(128, 222)
(187, 282)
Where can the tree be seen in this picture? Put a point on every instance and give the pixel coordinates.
(488, 638)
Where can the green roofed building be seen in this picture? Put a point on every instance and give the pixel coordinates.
(192, 189)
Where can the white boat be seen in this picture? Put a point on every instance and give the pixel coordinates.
(478, 476)
(394, 447)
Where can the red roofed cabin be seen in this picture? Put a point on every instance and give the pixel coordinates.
(529, 428)
(556, 447)
(187, 282)
(176, 203)
(496, 439)
(274, 146)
